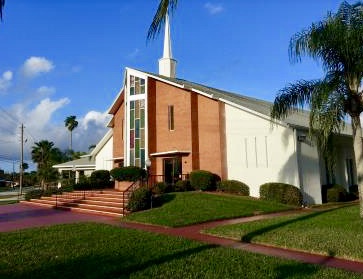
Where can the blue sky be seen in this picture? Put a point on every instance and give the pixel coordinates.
(66, 57)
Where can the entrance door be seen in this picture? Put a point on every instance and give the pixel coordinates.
(172, 170)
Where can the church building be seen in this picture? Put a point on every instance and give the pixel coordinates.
(181, 126)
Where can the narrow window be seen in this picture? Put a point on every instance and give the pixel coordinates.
(171, 118)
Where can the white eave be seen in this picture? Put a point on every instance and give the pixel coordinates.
(170, 153)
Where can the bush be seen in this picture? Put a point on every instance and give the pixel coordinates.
(282, 193)
(337, 193)
(202, 180)
(182, 186)
(130, 173)
(33, 194)
(353, 192)
(159, 188)
(140, 199)
(233, 186)
(101, 179)
(83, 184)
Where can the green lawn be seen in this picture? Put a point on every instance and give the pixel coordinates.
(336, 232)
(7, 202)
(102, 251)
(195, 207)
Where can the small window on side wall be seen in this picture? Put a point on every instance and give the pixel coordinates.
(171, 118)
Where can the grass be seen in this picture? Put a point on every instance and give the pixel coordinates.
(188, 208)
(103, 251)
(7, 202)
(334, 232)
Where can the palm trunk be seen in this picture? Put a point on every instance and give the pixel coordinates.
(358, 156)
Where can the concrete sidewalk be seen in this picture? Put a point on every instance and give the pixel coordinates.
(21, 216)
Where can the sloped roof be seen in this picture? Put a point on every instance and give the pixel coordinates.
(298, 119)
(83, 162)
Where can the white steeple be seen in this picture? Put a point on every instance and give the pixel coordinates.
(167, 65)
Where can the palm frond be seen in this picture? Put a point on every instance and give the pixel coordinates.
(164, 7)
(2, 4)
(293, 97)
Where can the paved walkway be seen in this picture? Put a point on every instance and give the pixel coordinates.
(20, 216)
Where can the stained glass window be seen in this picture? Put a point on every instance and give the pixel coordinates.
(137, 122)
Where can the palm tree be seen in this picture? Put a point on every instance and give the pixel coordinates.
(71, 123)
(336, 41)
(2, 4)
(43, 154)
(159, 17)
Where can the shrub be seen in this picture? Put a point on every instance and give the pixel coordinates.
(83, 184)
(33, 194)
(159, 188)
(282, 193)
(140, 199)
(182, 186)
(233, 186)
(202, 180)
(100, 179)
(130, 173)
(337, 193)
(353, 192)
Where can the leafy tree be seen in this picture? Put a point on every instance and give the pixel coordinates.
(159, 17)
(2, 4)
(45, 155)
(71, 123)
(336, 41)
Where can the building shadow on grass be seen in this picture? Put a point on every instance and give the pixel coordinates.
(248, 237)
(159, 200)
(100, 266)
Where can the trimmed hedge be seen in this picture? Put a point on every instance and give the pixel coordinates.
(159, 188)
(130, 173)
(182, 186)
(203, 180)
(282, 193)
(101, 179)
(337, 193)
(140, 199)
(33, 194)
(234, 187)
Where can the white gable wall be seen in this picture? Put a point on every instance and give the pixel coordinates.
(104, 156)
(309, 169)
(259, 152)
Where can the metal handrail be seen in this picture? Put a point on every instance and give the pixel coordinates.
(128, 191)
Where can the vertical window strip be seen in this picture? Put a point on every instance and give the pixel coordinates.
(171, 118)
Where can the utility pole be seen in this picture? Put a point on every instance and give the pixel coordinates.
(21, 159)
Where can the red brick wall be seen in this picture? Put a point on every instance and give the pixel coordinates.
(118, 140)
(198, 122)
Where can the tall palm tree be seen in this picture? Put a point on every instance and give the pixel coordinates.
(2, 4)
(71, 123)
(43, 155)
(159, 17)
(336, 41)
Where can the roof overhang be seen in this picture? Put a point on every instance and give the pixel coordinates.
(171, 153)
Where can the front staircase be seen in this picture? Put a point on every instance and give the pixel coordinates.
(102, 202)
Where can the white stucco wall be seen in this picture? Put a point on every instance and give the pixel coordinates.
(104, 156)
(259, 152)
(309, 167)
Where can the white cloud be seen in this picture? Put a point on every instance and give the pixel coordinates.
(40, 124)
(35, 66)
(5, 80)
(95, 117)
(46, 90)
(213, 8)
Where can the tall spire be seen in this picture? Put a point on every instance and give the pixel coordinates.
(167, 65)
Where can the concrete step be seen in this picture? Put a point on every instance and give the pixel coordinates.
(104, 202)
